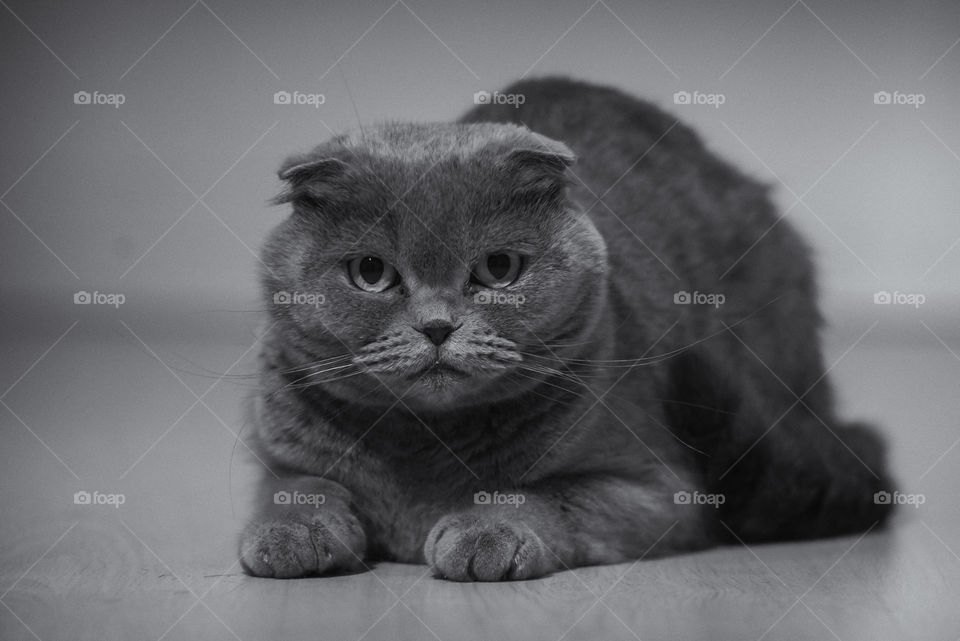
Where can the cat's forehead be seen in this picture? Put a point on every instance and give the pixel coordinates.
(431, 142)
(418, 187)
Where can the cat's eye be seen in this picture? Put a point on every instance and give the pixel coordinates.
(372, 274)
(496, 270)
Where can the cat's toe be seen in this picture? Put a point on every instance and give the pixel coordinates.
(469, 548)
(300, 545)
(278, 549)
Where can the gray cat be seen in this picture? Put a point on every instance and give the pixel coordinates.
(475, 362)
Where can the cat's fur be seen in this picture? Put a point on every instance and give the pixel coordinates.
(596, 398)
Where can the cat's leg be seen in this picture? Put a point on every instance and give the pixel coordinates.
(302, 526)
(562, 524)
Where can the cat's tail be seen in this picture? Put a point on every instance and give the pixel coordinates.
(802, 476)
(826, 482)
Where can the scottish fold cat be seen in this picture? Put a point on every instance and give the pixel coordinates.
(541, 337)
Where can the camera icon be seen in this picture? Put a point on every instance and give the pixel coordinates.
(482, 298)
(81, 498)
(281, 298)
(481, 498)
(481, 97)
(882, 98)
(81, 98)
(882, 498)
(682, 298)
(681, 98)
(682, 497)
(82, 298)
(281, 498)
(882, 298)
(281, 98)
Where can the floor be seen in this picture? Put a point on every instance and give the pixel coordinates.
(118, 408)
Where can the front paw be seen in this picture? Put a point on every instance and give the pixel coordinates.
(467, 547)
(296, 545)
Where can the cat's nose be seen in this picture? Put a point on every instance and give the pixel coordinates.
(437, 331)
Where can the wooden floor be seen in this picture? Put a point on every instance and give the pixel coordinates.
(113, 419)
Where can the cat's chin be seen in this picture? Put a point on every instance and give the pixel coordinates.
(438, 387)
(439, 373)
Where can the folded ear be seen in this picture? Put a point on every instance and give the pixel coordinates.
(309, 181)
(546, 153)
(540, 169)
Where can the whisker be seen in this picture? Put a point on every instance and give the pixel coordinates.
(299, 384)
(325, 370)
(611, 363)
(319, 363)
(650, 360)
(334, 379)
(568, 375)
(560, 345)
(539, 379)
(550, 372)
(573, 393)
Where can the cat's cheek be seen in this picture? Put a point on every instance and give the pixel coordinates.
(344, 316)
(587, 248)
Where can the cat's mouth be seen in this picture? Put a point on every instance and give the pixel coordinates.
(438, 370)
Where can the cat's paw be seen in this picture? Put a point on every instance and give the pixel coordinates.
(468, 547)
(297, 545)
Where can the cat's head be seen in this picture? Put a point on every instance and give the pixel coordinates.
(443, 261)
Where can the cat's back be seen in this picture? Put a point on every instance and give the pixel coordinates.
(608, 129)
(675, 216)
(638, 166)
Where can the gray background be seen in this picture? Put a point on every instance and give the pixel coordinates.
(133, 399)
(879, 182)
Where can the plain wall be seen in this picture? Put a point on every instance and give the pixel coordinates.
(881, 210)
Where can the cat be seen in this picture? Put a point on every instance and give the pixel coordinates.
(503, 347)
